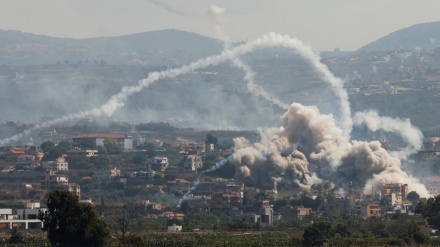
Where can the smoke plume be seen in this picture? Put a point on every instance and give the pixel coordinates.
(310, 147)
(411, 135)
(271, 40)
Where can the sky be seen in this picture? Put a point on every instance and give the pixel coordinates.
(324, 24)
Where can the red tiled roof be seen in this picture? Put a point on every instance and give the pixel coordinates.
(110, 136)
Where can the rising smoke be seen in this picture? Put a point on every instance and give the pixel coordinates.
(270, 40)
(308, 146)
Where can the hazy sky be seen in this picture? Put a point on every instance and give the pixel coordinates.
(325, 24)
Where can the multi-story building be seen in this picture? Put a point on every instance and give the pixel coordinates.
(106, 174)
(393, 194)
(368, 210)
(82, 153)
(191, 162)
(157, 164)
(60, 164)
(25, 218)
(178, 184)
(125, 142)
(53, 181)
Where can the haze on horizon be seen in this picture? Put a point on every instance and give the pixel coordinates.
(325, 25)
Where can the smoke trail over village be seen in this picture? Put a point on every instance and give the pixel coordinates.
(308, 147)
(249, 75)
(196, 181)
(270, 40)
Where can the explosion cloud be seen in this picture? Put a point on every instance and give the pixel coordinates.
(309, 146)
(308, 139)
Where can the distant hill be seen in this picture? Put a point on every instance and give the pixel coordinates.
(156, 47)
(425, 36)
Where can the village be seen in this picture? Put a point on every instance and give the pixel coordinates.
(155, 181)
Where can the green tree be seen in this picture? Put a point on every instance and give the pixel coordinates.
(317, 234)
(52, 154)
(16, 237)
(111, 146)
(185, 207)
(413, 197)
(211, 139)
(71, 223)
(47, 145)
(64, 146)
(430, 210)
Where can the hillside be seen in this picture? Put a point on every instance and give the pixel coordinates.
(164, 47)
(424, 36)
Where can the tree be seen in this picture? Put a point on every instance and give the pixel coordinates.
(52, 154)
(211, 139)
(430, 210)
(413, 197)
(317, 234)
(64, 146)
(185, 207)
(15, 237)
(111, 146)
(71, 223)
(47, 145)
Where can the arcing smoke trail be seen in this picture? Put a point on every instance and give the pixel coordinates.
(403, 128)
(270, 40)
(196, 182)
(216, 12)
(168, 8)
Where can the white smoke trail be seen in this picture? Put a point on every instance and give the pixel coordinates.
(168, 8)
(196, 182)
(269, 40)
(216, 12)
(412, 136)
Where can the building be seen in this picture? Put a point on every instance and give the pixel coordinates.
(396, 188)
(106, 174)
(178, 184)
(142, 174)
(124, 142)
(53, 181)
(82, 153)
(25, 218)
(393, 194)
(368, 210)
(157, 164)
(220, 199)
(266, 212)
(301, 212)
(60, 164)
(174, 228)
(191, 162)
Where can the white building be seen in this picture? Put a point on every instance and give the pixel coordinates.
(60, 164)
(125, 142)
(174, 228)
(82, 153)
(25, 218)
(192, 162)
